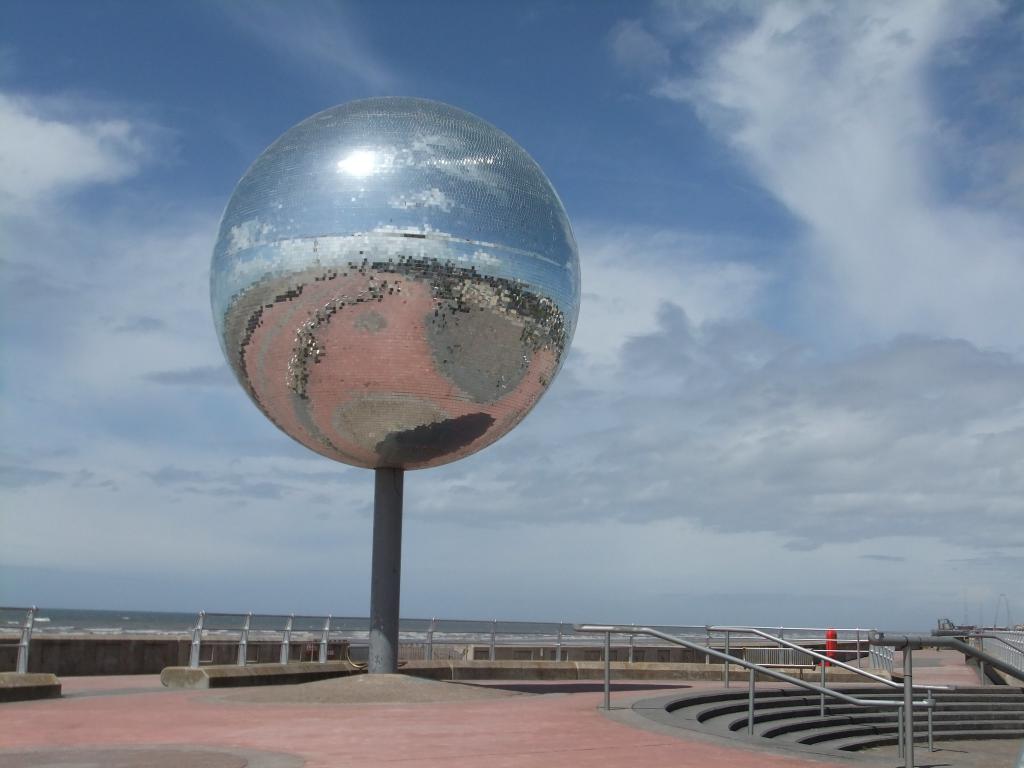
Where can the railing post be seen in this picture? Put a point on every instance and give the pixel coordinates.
(430, 639)
(558, 648)
(25, 642)
(750, 704)
(286, 642)
(821, 696)
(900, 751)
(908, 707)
(243, 641)
(858, 650)
(324, 635)
(607, 671)
(494, 631)
(632, 638)
(931, 707)
(197, 639)
(725, 673)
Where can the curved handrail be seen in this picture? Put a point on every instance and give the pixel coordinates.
(823, 657)
(1003, 640)
(924, 641)
(624, 629)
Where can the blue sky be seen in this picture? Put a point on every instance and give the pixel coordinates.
(797, 385)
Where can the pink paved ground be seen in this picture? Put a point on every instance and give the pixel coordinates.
(940, 667)
(543, 731)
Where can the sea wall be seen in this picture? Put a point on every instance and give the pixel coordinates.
(73, 655)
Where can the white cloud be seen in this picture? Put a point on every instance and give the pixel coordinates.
(737, 432)
(833, 110)
(93, 303)
(42, 156)
(637, 49)
(630, 272)
(317, 35)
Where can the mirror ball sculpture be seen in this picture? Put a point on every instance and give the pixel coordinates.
(395, 284)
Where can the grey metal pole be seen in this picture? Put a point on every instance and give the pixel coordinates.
(725, 673)
(430, 639)
(286, 641)
(931, 707)
(197, 639)
(25, 643)
(494, 631)
(243, 641)
(324, 637)
(821, 697)
(607, 671)
(386, 571)
(558, 648)
(750, 705)
(908, 708)
(900, 752)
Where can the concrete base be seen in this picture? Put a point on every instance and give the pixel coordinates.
(225, 676)
(594, 670)
(32, 685)
(231, 676)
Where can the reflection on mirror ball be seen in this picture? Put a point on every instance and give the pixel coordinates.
(395, 283)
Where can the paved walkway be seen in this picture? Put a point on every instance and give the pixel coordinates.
(940, 667)
(130, 722)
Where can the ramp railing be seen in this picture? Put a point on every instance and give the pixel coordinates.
(1006, 646)
(823, 659)
(903, 706)
(908, 644)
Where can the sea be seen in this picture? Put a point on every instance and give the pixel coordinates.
(98, 622)
(75, 621)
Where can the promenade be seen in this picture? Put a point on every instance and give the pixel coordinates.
(131, 721)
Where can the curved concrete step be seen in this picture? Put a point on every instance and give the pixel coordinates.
(822, 727)
(793, 716)
(949, 712)
(856, 744)
(725, 705)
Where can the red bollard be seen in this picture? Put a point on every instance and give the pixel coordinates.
(831, 644)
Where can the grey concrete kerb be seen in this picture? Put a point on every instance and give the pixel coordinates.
(18, 686)
(231, 676)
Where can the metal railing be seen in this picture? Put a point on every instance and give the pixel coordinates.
(881, 657)
(222, 637)
(824, 659)
(459, 635)
(905, 705)
(791, 652)
(24, 634)
(771, 656)
(908, 644)
(1006, 646)
(431, 639)
(242, 628)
